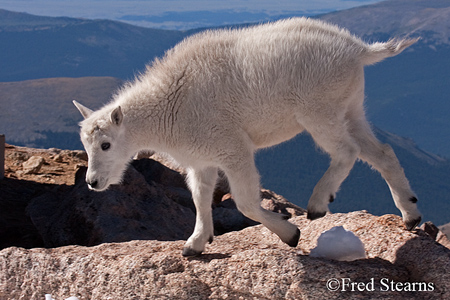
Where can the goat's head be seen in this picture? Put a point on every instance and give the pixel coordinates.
(103, 136)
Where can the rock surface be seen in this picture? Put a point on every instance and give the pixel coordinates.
(445, 229)
(56, 166)
(141, 226)
(247, 264)
(33, 165)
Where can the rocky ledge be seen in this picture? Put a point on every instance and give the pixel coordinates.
(247, 264)
(129, 241)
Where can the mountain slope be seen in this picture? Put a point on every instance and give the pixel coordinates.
(15, 21)
(397, 17)
(407, 94)
(39, 47)
(40, 112)
(293, 168)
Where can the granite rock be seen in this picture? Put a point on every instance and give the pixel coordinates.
(248, 264)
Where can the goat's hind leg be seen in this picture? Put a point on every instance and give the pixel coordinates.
(382, 158)
(343, 150)
(244, 183)
(202, 184)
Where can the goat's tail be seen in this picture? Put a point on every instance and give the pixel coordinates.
(376, 52)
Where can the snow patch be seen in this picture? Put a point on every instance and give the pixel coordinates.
(49, 297)
(339, 244)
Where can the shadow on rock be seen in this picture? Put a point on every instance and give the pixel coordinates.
(430, 282)
(133, 210)
(152, 203)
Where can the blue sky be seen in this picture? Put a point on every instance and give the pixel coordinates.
(173, 11)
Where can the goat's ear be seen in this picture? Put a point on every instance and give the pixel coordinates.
(85, 112)
(117, 116)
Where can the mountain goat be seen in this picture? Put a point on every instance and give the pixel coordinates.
(218, 96)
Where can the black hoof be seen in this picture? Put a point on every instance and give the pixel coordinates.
(189, 252)
(312, 215)
(294, 241)
(211, 239)
(410, 225)
(413, 199)
(285, 217)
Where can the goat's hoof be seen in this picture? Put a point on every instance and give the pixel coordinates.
(413, 199)
(285, 216)
(189, 252)
(312, 215)
(410, 225)
(294, 241)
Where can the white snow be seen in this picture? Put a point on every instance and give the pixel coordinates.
(49, 297)
(339, 244)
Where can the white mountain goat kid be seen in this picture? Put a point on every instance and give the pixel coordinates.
(218, 96)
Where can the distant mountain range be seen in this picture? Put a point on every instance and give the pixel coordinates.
(35, 47)
(407, 95)
(180, 14)
(203, 18)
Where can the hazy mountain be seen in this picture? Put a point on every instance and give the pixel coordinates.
(179, 14)
(293, 168)
(201, 19)
(40, 112)
(14, 21)
(408, 94)
(427, 19)
(40, 47)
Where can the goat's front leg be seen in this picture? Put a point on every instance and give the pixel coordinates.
(201, 184)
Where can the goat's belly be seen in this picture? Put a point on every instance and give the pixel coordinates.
(267, 134)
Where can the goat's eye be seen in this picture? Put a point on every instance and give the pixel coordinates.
(105, 146)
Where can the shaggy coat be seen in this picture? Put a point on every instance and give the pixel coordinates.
(218, 96)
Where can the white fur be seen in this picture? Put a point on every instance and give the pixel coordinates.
(220, 95)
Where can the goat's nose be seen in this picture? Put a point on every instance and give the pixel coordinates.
(92, 184)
